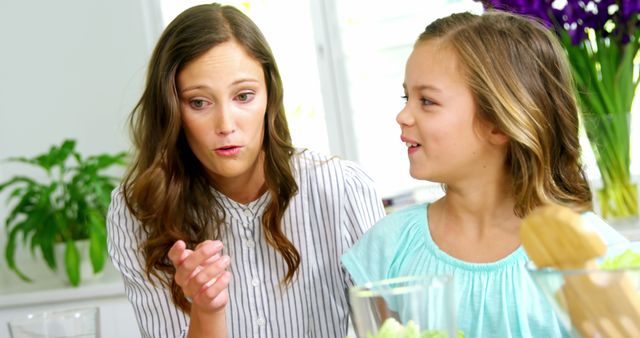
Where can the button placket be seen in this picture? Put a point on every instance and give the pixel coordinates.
(250, 243)
(247, 221)
(247, 212)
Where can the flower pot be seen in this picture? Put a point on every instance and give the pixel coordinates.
(86, 269)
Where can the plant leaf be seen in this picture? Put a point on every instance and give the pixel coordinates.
(72, 262)
(97, 241)
(57, 156)
(16, 180)
(10, 252)
(45, 235)
(104, 161)
(24, 206)
(70, 204)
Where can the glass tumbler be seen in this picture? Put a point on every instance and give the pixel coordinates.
(412, 306)
(75, 323)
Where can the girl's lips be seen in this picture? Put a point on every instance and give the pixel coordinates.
(412, 146)
(411, 150)
(228, 151)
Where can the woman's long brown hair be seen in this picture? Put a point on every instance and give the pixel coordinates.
(521, 81)
(166, 188)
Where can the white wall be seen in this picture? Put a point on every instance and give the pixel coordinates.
(70, 69)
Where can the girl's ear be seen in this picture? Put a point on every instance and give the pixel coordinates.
(497, 136)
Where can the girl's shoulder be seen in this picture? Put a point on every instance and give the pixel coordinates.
(389, 241)
(393, 227)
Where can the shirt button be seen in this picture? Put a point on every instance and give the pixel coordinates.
(255, 282)
(250, 243)
(248, 213)
(246, 225)
(261, 321)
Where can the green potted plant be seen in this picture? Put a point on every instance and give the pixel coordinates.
(68, 205)
(602, 41)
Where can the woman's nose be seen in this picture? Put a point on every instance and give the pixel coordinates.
(224, 121)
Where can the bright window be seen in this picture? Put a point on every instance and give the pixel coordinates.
(343, 62)
(376, 44)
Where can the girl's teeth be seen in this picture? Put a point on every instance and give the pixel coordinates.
(411, 145)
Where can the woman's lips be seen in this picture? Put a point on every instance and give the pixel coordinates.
(228, 150)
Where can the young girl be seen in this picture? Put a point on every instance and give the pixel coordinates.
(489, 114)
(221, 228)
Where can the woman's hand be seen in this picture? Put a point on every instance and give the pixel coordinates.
(201, 275)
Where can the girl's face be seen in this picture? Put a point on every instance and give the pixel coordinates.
(223, 99)
(446, 143)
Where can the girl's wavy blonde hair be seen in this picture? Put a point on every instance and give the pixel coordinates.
(521, 82)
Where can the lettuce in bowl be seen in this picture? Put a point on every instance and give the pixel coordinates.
(625, 260)
(391, 328)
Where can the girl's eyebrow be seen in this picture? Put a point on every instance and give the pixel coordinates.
(423, 87)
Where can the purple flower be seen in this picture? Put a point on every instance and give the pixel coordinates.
(578, 16)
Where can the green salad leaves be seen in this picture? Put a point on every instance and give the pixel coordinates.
(625, 260)
(391, 328)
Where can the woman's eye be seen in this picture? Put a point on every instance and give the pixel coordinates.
(197, 103)
(245, 97)
(405, 98)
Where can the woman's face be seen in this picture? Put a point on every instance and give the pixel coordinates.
(445, 141)
(223, 100)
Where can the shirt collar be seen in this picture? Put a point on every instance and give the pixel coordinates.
(243, 212)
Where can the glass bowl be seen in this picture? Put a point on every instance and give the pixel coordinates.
(412, 306)
(593, 302)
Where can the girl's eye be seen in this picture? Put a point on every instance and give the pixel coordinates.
(198, 103)
(245, 97)
(426, 102)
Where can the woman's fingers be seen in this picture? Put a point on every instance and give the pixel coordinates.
(206, 277)
(200, 269)
(201, 273)
(177, 252)
(193, 263)
(215, 296)
(206, 274)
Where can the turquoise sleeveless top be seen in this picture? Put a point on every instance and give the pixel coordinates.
(496, 299)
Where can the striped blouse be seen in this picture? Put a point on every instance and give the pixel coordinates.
(336, 203)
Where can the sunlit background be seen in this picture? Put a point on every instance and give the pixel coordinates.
(342, 64)
(76, 68)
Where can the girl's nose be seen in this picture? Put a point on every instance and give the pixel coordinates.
(404, 117)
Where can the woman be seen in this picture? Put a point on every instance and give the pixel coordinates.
(221, 228)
